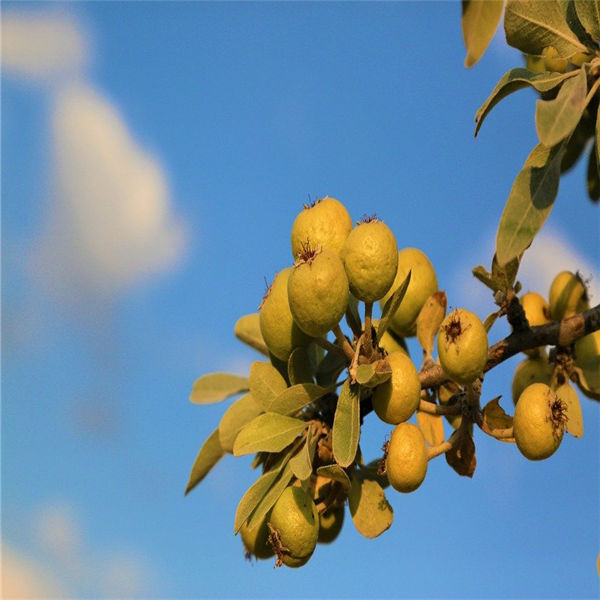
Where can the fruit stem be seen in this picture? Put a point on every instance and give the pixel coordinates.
(343, 342)
(368, 343)
(327, 345)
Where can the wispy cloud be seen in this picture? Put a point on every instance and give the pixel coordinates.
(42, 47)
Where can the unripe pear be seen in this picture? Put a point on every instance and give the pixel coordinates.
(407, 455)
(553, 61)
(567, 296)
(531, 370)
(256, 540)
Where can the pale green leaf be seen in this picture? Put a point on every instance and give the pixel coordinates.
(299, 366)
(588, 12)
(209, 455)
(392, 305)
(215, 387)
(346, 425)
(370, 510)
(556, 119)
(272, 495)
(266, 383)
(517, 79)
(568, 395)
(531, 26)
(480, 20)
(504, 276)
(336, 473)
(247, 330)
(296, 397)
(432, 427)
(302, 462)
(252, 497)
(241, 412)
(529, 203)
(373, 374)
(269, 432)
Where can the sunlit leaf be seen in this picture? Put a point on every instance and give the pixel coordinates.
(302, 462)
(215, 387)
(392, 305)
(269, 432)
(299, 366)
(253, 496)
(346, 425)
(529, 202)
(591, 390)
(247, 330)
(490, 320)
(373, 374)
(209, 455)
(517, 79)
(432, 427)
(272, 495)
(266, 383)
(504, 276)
(336, 473)
(495, 417)
(370, 510)
(480, 20)
(588, 12)
(568, 395)
(241, 412)
(429, 320)
(296, 397)
(531, 26)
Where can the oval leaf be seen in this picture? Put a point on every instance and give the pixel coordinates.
(370, 510)
(266, 383)
(299, 366)
(495, 417)
(531, 26)
(272, 495)
(209, 455)
(529, 203)
(296, 397)
(392, 305)
(480, 20)
(336, 473)
(302, 462)
(556, 119)
(517, 79)
(429, 320)
(568, 395)
(252, 497)
(240, 413)
(346, 425)
(269, 432)
(215, 387)
(373, 374)
(432, 427)
(588, 12)
(247, 330)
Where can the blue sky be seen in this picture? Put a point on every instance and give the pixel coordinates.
(154, 156)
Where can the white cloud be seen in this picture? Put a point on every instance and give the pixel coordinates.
(111, 222)
(57, 531)
(42, 47)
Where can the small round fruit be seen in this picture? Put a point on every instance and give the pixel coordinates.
(279, 331)
(370, 257)
(531, 370)
(567, 296)
(395, 400)
(330, 524)
(462, 346)
(256, 540)
(318, 291)
(538, 422)
(553, 61)
(423, 283)
(536, 309)
(326, 224)
(535, 63)
(391, 342)
(296, 521)
(406, 462)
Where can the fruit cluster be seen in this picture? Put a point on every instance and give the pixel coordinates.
(303, 407)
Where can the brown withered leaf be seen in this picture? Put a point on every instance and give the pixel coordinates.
(429, 320)
(432, 427)
(461, 457)
(495, 417)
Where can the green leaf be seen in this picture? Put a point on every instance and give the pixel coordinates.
(215, 387)
(531, 26)
(299, 366)
(593, 177)
(480, 20)
(252, 497)
(269, 432)
(373, 374)
(504, 276)
(272, 495)
(568, 395)
(302, 462)
(529, 203)
(370, 510)
(330, 368)
(392, 305)
(241, 412)
(588, 12)
(296, 397)
(336, 473)
(247, 330)
(346, 425)
(578, 142)
(517, 79)
(556, 119)
(209, 455)
(266, 383)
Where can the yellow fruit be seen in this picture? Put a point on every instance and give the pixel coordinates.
(330, 524)
(296, 521)
(423, 283)
(406, 462)
(531, 370)
(567, 296)
(536, 309)
(552, 60)
(318, 292)
(535, 63)
(538, 422)
(325, 224)
(370, 257)
(395, 400)
(277, 325)
(256, 540)
(392, 344)
(587, 357)
(580, 58)
(462, 346)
